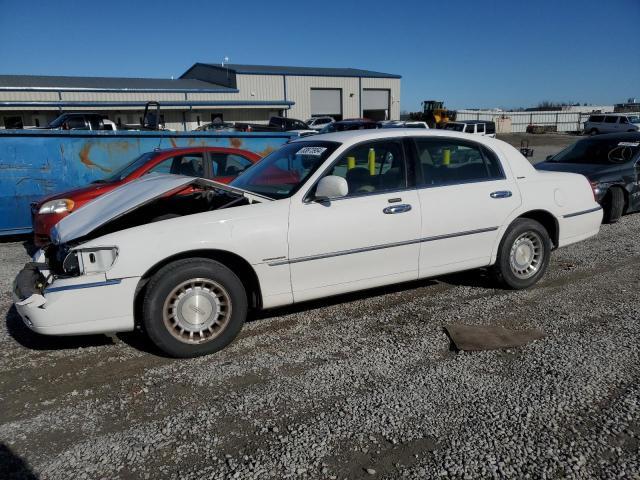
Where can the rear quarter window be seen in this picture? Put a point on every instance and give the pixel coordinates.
(596, 118)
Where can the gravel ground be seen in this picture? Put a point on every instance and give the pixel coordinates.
(361, 386)
(543, 144)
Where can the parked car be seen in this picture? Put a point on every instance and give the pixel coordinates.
(219, 164)
(350, 124)
(611, 163)
(475, 127)
(612, 123)
(321, 216)
(216, 127)
(80, 121)
(276, 124)
(318, 123)
(402, 124)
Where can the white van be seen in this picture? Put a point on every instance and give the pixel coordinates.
(486, 128)
(612, 123)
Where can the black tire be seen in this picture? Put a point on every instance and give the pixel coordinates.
(593, 131)
(522, 230)
(613, 205)
(164, 312)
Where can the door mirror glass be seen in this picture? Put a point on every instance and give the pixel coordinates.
(331, 186)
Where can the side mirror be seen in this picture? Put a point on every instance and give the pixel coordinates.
(330, 187)
(549, 157)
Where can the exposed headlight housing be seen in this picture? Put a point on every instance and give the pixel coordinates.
(60, 205)
(89, 260)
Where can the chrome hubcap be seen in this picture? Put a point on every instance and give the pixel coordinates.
(197, 311)
(526, 255)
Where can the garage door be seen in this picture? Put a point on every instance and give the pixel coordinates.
(375, 99)
(326, 101)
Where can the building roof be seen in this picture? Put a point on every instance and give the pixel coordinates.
(56, 83)
(302, 71)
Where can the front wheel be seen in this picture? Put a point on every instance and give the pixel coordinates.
(193, 307)
(523, 255)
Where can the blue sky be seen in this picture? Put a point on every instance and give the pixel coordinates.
(469, 53)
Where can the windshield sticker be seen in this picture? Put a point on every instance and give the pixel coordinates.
(314, 151)
(629, 144)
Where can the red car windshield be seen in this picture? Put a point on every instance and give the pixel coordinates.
(128, 169)
(282, 173)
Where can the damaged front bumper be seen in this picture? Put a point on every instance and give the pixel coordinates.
(86, 304)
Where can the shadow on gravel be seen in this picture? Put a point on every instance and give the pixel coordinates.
(471, 278)
(25, 337)
(141, 342)
(27, 242)
(13, 467)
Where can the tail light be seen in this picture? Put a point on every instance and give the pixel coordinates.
(595, 189)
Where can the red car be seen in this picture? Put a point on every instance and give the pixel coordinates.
(217, 163)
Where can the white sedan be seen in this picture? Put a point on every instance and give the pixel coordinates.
(187, 258)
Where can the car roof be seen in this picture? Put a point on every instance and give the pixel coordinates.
(473, 122)
(356, 136)
(200, 148)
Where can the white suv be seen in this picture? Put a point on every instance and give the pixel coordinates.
(612, 123)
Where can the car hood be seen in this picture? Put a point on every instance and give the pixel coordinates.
(126, 198)
(78, 192)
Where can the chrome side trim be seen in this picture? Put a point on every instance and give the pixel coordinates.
(380, 247)
(79, 286)
(583, 212)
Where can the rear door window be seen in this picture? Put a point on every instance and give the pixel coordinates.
(452, 161)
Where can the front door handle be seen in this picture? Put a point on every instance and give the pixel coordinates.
(500, 194)
(405, 207)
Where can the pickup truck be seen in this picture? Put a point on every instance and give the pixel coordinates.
(80, 121)
(276, 124)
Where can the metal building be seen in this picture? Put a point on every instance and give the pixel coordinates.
(203, 93)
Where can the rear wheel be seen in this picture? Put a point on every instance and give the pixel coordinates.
(523, 255)
(593, 131)
(194, 307)
(613, 204)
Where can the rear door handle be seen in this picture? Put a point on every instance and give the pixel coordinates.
(405, 207)
(500, 194)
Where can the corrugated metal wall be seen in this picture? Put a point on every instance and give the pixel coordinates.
(258, 88)
(564, 121)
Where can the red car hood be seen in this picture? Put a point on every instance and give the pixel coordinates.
(82, 193)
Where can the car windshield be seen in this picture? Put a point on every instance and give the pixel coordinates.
(598, 151)
(634, 119)
(282, 173)
(128, 169)
(57, 123)
(456, 127)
